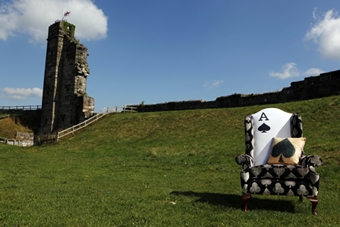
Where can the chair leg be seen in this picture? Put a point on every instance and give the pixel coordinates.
(314, 201)
(301, 198)
(245, 198)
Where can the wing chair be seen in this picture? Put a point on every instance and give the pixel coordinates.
(274, 162)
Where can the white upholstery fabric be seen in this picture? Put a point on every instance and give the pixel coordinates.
(269, 123)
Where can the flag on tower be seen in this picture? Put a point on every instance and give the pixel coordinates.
(67, 13)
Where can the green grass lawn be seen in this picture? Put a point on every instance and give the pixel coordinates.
(163, 169)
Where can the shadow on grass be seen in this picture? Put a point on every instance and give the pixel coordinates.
(234, 201)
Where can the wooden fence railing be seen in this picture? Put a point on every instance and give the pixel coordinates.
(74, 128)
(31, 107)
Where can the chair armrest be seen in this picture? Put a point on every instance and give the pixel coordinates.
(311, 160)
(245, 160)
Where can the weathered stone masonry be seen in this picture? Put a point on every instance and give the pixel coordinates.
(326, 84)
(65, 102)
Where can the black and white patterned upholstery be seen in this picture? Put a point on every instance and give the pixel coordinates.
(278, 179)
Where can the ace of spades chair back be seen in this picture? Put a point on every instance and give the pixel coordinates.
(274, 162)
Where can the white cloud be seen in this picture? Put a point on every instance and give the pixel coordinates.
(326, 34)
(22, 93)
(313, 72)
(34, 16)
(314, 13)
(217, 83)
(214, 84)
(288, 70)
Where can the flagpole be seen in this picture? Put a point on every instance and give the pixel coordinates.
(65, 14)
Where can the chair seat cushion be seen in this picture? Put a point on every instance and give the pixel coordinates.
(278, 171)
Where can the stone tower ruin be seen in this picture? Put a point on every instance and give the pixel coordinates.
(65, 102)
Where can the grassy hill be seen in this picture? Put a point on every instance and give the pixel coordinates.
(11, 124)
(163, 169)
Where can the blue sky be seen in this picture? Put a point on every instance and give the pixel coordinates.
(171, 50)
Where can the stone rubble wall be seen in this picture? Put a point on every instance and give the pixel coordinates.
(326, 84)
(23, 139)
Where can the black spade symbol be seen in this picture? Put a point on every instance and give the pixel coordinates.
(284, 148)
(264, 128)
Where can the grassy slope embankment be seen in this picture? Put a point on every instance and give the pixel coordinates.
(11, 124)
(163, 169)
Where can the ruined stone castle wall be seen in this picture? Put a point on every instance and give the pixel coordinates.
(326, 84)
(65, 102)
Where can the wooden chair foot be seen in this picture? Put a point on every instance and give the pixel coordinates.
(301, 198)
(245, 198)
(314, 201)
